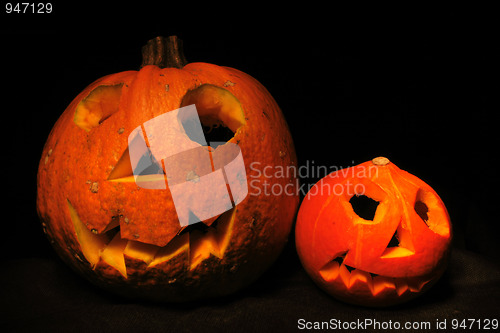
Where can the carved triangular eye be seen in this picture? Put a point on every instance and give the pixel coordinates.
(421, 209)
(217, 107)
(365, 207)
(430, 209)
(99, 105)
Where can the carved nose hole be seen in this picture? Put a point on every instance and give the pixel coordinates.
(394, 242)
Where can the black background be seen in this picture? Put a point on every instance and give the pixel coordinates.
(419, 86)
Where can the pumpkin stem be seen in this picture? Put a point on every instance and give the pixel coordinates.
(381, 161)
(164, 52)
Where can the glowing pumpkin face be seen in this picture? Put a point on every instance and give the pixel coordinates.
(126, 236)
(384, 258)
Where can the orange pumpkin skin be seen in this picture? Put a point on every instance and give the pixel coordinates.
(350, 258)
(78, 205)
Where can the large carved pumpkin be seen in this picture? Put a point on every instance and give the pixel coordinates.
(373, 234)
(126, 236)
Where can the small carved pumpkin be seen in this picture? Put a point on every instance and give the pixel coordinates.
(126, 236)
(373, 234)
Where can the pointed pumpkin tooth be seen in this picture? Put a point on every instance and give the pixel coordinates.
(330, 271)
(224, 230)
(175, 247)
(416, 285)
(91, 244)
(361, 279)
(382, 284)
(201, 246)
(402, 286)
(113, 254)
(141, 251)
(345, 275)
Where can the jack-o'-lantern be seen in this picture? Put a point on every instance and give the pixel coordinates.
(373, 234)
(127, 237)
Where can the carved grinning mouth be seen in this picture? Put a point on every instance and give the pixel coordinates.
(218, 109)
(199, 241)
(353, 278)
